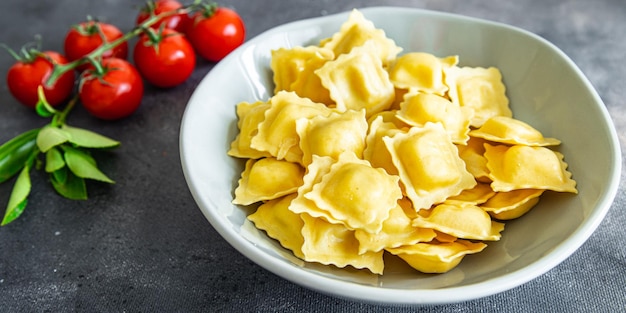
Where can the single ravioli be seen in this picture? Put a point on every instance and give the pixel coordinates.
(355, 32)
(277, 133)
(376, 151)
(421, 71)
(332, 135)
(480, 89)
(319, 167)
(267, 179)
(280, 223)
(437, 257)
(525, 167)
(462, 221)
(309, 85)
(357, 80)
(250, 115)
(419, 108)
(397, 231)
(334, 244)
(429, 165)
(357, 194)
(288, 64)
(473, 154)
(507, 130)
(512, 204)
(480, 194)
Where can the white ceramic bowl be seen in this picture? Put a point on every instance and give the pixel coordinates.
(545, 89)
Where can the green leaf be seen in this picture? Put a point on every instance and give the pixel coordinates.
(68, 185)
(54, 160)
(18, 198)
(50, 136)
(15, 153)
(83, 165)
(88, 139)
(43, 108)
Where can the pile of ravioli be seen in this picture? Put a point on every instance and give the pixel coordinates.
(363, 151)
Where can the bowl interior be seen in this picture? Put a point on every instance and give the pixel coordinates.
(545, 89)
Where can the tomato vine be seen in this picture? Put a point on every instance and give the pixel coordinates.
(62, 151)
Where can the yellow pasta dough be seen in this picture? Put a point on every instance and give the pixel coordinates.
(332, 135)
(419, 108)
(543, 168)
(480, 89)
(267, 179)
(437, 257)
(334, 244)
(280, 223)
(356, 194)
(277, 132)
(357, 80)
(397, 231)
(429, 165)
(361, 150)
(508, 130)
(462, 221)
(512, 204)
(250, 115)
(355, 32)
(421, 71)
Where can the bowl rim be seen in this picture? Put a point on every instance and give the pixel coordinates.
(374, 294)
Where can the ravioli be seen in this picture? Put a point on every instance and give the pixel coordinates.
(376, 151)
(480, 89)
(334, 244)
(543, 168)
(511, 131)
(267, 179)
(512, 204)
(250, 116)
(429, 165)
(462, 221)
(437, 257)
(355, 32)
(357, 80)
(332, 135)
(419, 108)
(397, 231)
(356, 194)
(422, 72)
(280, 223)
(277, 133)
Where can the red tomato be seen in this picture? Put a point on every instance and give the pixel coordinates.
(165, 59)
(177, 22)
(25, 76)
(113, 94)
(85, 37)
(215, 33)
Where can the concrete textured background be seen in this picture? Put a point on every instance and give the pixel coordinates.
(143, 245)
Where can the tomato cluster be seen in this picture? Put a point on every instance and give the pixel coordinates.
(110, 87)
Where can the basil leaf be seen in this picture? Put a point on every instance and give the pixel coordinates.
(50, 136)
(88, 139)
(15, 153)
(69, 185)
(18, 198)
(54, 160)
(83, 165)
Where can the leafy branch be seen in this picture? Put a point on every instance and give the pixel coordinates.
(63, 151)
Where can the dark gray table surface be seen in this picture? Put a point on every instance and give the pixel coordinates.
(143, 244)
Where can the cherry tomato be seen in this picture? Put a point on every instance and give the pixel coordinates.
(113, 93)
(216, 32)
(177, 22)
(165, 59)
(85, 37)
(25, 76)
